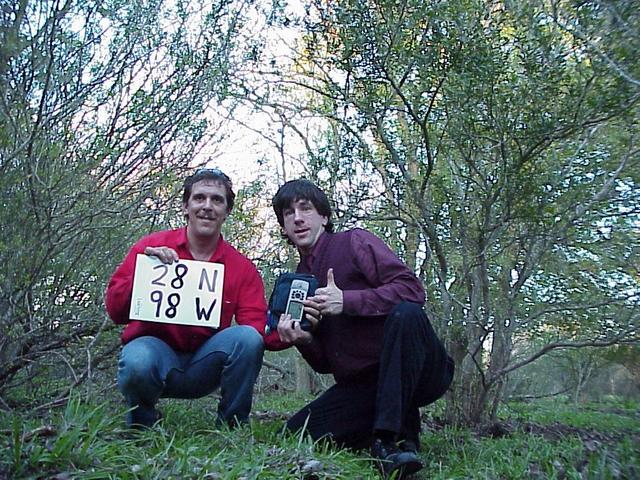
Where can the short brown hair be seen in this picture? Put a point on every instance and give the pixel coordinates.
(209, 174)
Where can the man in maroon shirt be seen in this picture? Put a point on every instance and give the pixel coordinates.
(372, 335)
(181, 361)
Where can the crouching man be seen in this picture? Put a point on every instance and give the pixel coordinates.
(185, 361)
(372, 335)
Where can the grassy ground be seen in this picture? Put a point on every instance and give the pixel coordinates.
(87, 441)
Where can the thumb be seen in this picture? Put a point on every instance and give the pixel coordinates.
(331, 282)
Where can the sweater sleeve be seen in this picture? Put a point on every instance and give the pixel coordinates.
(392, 281)
(120, 287)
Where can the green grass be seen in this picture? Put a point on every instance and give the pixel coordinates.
(457, 454)
(86, 440)
(89, 442)
(612, 416)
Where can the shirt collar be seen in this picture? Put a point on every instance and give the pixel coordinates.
(183, 241)
(218, 254)
(317, 248)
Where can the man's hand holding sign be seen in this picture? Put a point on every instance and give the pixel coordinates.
(165, 254)
(185, 292)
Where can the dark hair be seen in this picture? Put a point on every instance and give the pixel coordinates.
(301, 189)
(209, 174)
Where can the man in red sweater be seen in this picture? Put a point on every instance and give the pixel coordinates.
(182, 361)
(372, 335)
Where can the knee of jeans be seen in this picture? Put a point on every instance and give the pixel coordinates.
(136, 363)
(250, 339)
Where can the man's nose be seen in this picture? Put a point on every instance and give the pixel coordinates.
(297, 216)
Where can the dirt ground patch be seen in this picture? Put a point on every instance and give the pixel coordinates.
(554, 432)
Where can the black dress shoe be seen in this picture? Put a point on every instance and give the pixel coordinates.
(147, 423)
(409, 446)
(392, 460)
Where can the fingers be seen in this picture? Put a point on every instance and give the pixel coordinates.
(290, 332)
(312, 312)
(331, 287)
(329, 300)
(330, 280)
(165, 254)
(313, 302)
(318, 301)
(285, 328)
(313, 315)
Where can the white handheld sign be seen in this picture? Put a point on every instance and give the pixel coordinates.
(186, 292)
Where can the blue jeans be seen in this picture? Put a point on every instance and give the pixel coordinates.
(150, 369)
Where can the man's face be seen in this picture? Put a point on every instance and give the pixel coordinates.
(206, 208)
(303, 224)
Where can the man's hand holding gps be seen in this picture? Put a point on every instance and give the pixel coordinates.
(293, 331)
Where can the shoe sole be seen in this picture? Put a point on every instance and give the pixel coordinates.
(405, 470)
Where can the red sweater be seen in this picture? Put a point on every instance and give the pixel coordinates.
(242, 297)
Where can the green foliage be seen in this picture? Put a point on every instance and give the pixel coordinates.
(87, 441)
(104, 109)
(493, 146)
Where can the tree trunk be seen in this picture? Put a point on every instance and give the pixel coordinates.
(304, 376)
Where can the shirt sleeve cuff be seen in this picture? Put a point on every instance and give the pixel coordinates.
(350, 301)
(312, 348)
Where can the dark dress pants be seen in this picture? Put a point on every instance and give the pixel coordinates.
(414, 371)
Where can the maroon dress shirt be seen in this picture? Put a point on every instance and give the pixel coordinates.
(373, 280)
